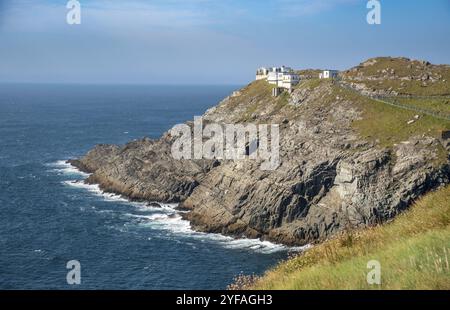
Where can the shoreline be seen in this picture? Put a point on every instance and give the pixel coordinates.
(179, 211)
(347, 161)
(187, 214)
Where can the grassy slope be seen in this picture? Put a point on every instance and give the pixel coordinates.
(405, 68)
(385, 124)
(381, 123)
(413, 88)
(413, 251)
(258, 95)
(440, 106)
(388, 125)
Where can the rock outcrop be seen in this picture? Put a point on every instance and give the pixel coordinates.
(387, 76)
(330, 178)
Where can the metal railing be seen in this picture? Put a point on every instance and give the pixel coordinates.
(391, 100)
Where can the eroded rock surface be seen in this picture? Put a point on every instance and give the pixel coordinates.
(329, 178)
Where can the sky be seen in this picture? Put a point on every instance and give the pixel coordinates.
(209, 41)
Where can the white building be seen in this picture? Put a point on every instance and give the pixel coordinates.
(262, 73)
(328, 74)
(288, 80)
(283, 77)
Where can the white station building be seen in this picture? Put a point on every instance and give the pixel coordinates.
(328, 74)
(283, 77)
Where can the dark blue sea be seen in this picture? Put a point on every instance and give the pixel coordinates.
(48, 218)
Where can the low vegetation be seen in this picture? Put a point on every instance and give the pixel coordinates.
(413, 250)
(386, 125)
(402, 75)
(414, 88)
(436, 105)
(310, 84)
(380, 123)
(259, 96)
(402, 67)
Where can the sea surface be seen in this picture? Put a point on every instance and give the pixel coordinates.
(48, 217)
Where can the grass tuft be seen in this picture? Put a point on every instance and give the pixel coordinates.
(413, 250)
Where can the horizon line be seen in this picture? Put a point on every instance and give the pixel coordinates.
(116, 83)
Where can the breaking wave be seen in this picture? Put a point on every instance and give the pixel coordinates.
(165, 217)
(63, 167)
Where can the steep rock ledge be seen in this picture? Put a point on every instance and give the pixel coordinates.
(330, 177)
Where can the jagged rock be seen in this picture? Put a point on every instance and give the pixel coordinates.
(329, 177)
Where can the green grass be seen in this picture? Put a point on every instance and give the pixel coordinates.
(382, 124)
(281, 101)
(413, 250)
(403, 68)
(309, 73)
(387, 125)
(414, 88)
(311, 84)
(259, 93)
(256, 91)
(440, 106)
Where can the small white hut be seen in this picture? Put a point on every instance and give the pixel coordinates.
(328, 74)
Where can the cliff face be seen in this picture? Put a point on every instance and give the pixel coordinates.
(338, 169)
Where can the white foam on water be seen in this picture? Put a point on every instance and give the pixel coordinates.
(142, 206)
(95, 189)
(171, 222)
(166, 217)
(174, 223)
(152, 217)
(63, 167)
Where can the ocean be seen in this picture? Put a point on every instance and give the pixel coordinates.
(49, 218)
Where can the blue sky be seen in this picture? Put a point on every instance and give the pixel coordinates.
(209, 41)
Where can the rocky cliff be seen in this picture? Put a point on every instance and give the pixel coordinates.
(345, 161)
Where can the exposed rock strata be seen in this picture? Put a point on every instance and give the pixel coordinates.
(329, 178)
